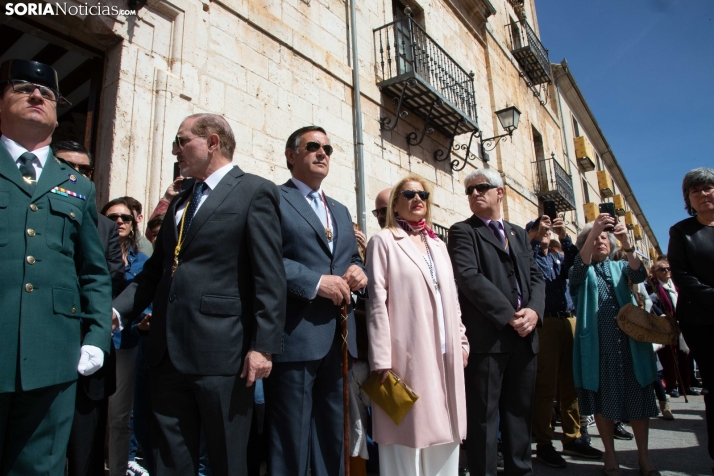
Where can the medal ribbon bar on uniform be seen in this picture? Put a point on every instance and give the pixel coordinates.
(67, 193)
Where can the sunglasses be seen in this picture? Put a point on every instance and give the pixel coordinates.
(663, 268)
(480, 188)
(181, 142)
(124, 218)
(315, 146)
(25, 87)
(85, 170)
(379, 211)
(410, 194)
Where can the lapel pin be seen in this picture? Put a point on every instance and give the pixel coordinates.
(513, 234)
(72, 178)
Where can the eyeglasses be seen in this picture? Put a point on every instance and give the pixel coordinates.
(124, 218)
(85, 170)
(410, 194)
(181, 142)
(25, 87)
(664, 268)
(315, 146)
(480, 188)
(379, 211)
(705, 190)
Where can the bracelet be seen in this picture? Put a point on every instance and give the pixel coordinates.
(629, 250)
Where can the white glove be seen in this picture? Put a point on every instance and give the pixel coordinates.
(91, 359)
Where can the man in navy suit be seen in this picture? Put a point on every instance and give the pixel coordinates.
(322, 266)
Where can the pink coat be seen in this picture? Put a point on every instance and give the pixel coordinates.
(404, 336)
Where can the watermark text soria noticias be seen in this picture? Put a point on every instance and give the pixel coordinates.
(42, 8)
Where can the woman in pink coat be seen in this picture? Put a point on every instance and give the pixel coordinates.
(415, 330)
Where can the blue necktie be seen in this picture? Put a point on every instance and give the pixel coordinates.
(27, 169)
(318, 206)
(193, 205)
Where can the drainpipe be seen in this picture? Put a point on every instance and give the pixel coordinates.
(357, 120)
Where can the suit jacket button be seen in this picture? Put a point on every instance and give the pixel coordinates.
(172, 298)
(30, 259)
(33, 207)
(29, 287)
(74, 310)
(71, 214)
(30, 232)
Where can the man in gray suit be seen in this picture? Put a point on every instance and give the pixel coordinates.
(322, 267)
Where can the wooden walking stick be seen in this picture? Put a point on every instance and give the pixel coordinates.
(346, 389)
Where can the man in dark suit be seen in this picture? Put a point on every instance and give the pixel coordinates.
(304, 404)
(85, 452)
(219, 305)
(502, 296)
(54, 273)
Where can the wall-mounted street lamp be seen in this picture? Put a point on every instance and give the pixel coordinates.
(508, 117)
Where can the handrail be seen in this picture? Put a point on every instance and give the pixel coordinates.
(403, 46)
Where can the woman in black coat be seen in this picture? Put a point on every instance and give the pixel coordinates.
(691, 257)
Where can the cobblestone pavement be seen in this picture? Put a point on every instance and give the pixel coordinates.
(677, 447)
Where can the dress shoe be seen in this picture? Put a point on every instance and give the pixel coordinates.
(692, 391)
(621, 434)
(674, 393)
(578, 447)
(547, 455)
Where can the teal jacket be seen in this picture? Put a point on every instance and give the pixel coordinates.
(586, 347)
(53, 273)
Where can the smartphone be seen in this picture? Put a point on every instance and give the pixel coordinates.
(608, 208)
(549, 209)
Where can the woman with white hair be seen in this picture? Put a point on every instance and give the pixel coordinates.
(612, 372)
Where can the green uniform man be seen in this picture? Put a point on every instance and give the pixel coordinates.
(54, 274)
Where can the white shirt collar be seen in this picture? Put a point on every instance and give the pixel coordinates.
(213, 179)
(667, 285)
(304, 189)
(16, 150)
(487, 221)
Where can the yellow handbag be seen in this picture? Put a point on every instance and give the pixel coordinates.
(394, 397)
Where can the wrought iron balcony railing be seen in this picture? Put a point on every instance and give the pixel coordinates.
(554, 183)
(529, 52)
(421, 76)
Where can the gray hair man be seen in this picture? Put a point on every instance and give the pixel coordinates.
(501, 293)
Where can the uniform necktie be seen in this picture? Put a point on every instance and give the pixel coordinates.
(496, 229)
(27, 169)
(193, 205)
(318, 206)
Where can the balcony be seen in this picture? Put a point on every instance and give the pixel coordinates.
(421, 76)
(554, 183)
(529, 52)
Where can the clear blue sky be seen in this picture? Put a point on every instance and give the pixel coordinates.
(646, 68)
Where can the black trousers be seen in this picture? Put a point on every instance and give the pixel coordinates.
(85, 451)
(181, 404)
(34, 430)
(304, 413)
(500, 384)
(699, 339)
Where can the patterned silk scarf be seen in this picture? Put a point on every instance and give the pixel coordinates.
(417, 226)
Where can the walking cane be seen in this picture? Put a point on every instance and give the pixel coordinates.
(346, 389)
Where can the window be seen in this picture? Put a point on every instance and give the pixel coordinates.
(576, 128)
(516, 42)
(586, 192)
